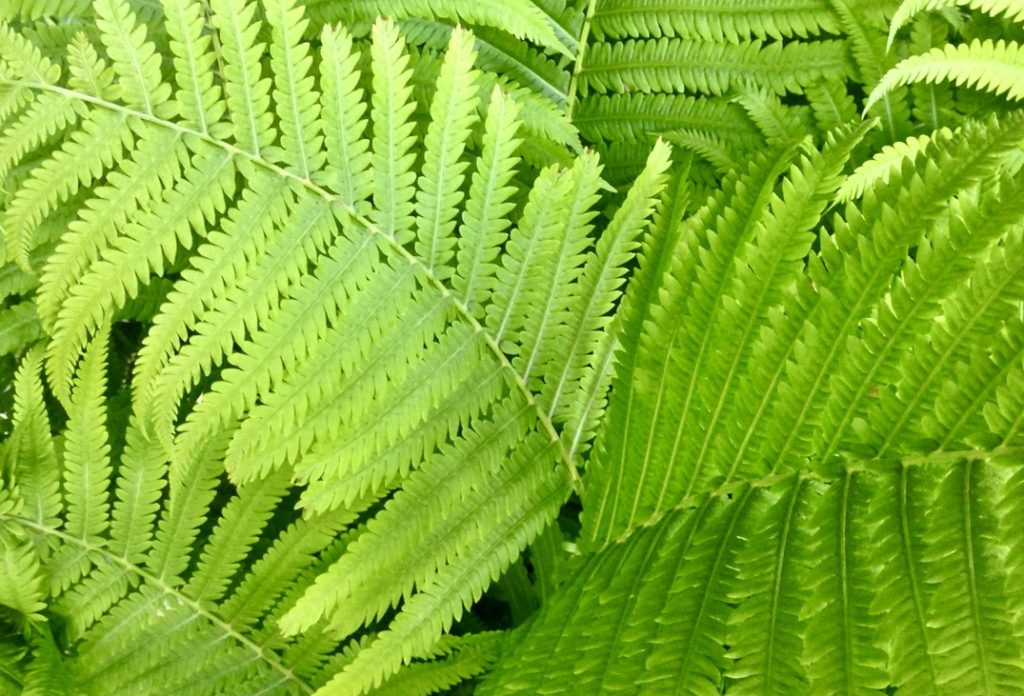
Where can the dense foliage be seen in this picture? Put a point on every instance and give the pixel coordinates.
(533, 347)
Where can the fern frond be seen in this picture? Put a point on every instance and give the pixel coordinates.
(87, 469)
(146, 244)
(887, 162)
(520, 18)
(133, 186)
(83, 158)
(344, 119)
(215, 267)
(675, 65)
(452, 114)
(632, 593)
(34, 466)
(859, 283)
(21, 586)
(246, 91)
(488, 204)
(198, 97)
(295, 97)
(135, 60)
(20, 327)
(393, 138)
(909, 9)
(751, 193)
(581, 345)
(993, 66)
(717, 21)
(24, 58)
(971, 317)
(458, 659)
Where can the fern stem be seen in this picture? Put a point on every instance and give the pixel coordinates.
(581, 51)
(159, 583)
(363, 221)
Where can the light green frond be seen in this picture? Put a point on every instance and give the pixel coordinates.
(718, 21)
(137, 495)
(135, 60)
(556, 276)
(295, 97)
(35, 126)
(198, 97)
(630, 117)
(83, 158)
(886, 163)
(88, 72)
(343, 114)
(676, 65)
(214, 266)
(958, 414)
(971, 317)
(146, 244)
(581, 342)
(488, 204)
(831, 105)
(457, 659)
(530, 245)
(24, 58)
(34, 466)
(654, 433)
(780, 124)
(247, 92)
(909, 9)
(280, 569)
(439, 194)
(707, 146)
(87, 470)
(21, 586)
(241, 522)
(866, 41)
(1005, 414)
(19, 327)
(133, 186)
(393, 140)
(520, 18)
(854, 286)
(251, 290)
(192, 488)
(993, 66)
(374, 574)
(936, 276)
(518, 508)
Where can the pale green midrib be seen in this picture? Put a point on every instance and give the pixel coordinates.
(844, 581)
(906, 540)
(467, 316)
(972, 578)
(777, 577)
(159, 583)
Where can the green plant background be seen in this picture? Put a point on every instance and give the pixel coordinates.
(431, 346)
